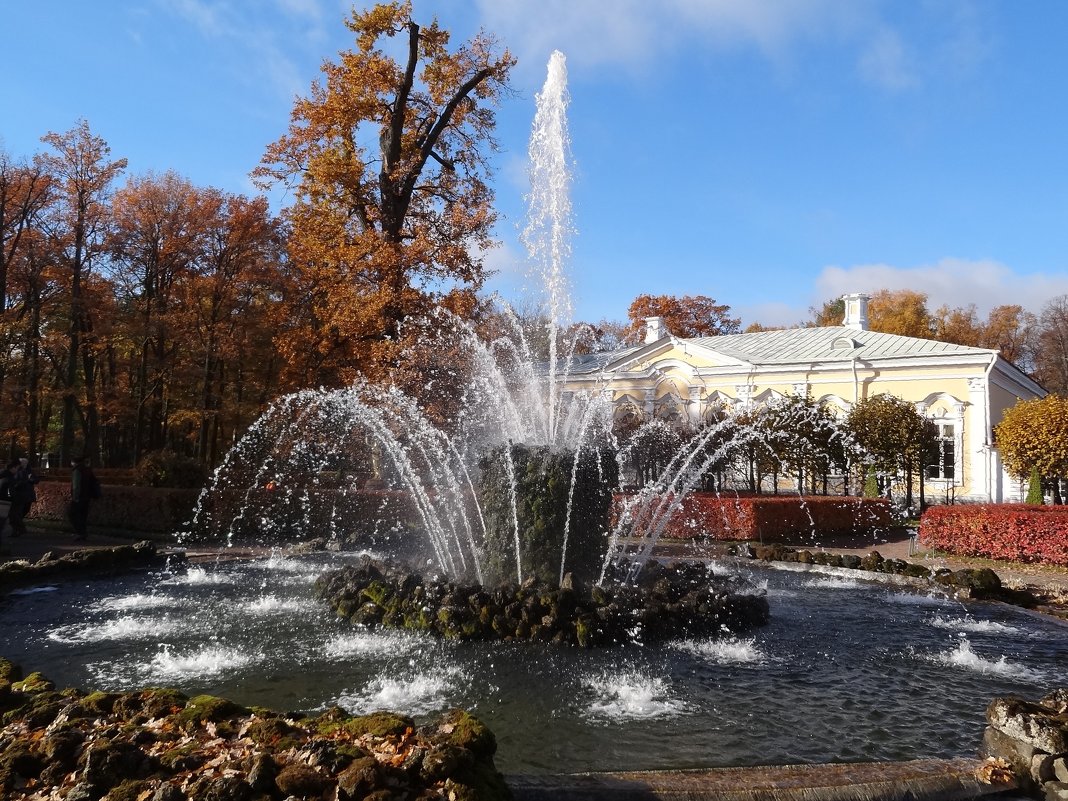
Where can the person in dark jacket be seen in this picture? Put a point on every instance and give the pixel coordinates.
(7, 482)
(84, 487)
(22, 495)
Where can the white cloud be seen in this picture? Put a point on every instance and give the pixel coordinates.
(771, 313)
(885, 62)
(630, 32)
(259, 37)
(951, 281)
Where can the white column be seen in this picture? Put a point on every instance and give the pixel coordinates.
(694, 407)
(976, 444)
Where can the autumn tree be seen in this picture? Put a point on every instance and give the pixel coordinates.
(803, 439)
(902, 311)
(830, 313)
(226, 310)
(78, 223)
(158, 234)
(387, 160)
(685, 316)
(24, 193)
(1051, 346)
(1033, 435)
(896, 437)
(1007, 329)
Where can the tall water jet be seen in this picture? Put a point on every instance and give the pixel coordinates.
(547, 235)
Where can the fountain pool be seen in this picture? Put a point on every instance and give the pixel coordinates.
(845, 671)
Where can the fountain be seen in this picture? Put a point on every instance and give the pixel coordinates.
(516, 494)
(522, 487)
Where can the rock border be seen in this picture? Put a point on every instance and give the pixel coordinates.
(1032, 737)
(160, 745)
(88, 562)
(681, 600)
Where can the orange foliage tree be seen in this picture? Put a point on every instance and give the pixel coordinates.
(685, 316)
(78, 221)
(392, 210)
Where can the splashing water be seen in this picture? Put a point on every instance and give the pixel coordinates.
(964, 656)
(724, 652)
(420, 692)
(367, 643)
(971, 625)
(211, 660)
(631, 695)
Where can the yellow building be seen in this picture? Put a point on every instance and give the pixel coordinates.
(964, 390)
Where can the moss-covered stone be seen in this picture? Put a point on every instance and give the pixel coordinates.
(275, 733)
(377, 724)
(360, 777)
(9, 671)
(117, 758)
(302, 781)
(32, 684)
(153, 702)
(97, 703)
(129, 790)
(464, 730)
(202, 708)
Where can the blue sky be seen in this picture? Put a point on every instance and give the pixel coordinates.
(769, 153)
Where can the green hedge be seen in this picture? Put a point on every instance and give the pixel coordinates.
(775, 518)
(1015, 532)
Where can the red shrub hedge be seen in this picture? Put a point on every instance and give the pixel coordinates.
(144, 509)
(776, 518)
(1014, 532)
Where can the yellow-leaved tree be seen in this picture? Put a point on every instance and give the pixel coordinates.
(387, 161)
(1034, 434)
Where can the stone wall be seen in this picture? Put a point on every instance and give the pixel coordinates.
(1033, 738)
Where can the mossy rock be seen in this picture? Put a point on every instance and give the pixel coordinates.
(202, 708)
(97, 703)
(464, 730)
(302, 781)
(129, 790)
(916, 571)
(377, 724)
(983, 582)
(9, 671)
(33, 684)
(275, 733)
(152, 702)
(873, 561)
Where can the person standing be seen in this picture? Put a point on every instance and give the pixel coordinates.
(84, 487)
(7, 481)
(21, 494)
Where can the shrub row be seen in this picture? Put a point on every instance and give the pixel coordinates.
(1013, 532)
(776, 518)
(145, 509)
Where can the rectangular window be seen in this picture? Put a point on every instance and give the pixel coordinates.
(942, 459)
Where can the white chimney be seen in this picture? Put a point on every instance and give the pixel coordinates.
(655, 328)
(856, 311)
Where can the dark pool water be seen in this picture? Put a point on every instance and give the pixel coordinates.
(844, 671)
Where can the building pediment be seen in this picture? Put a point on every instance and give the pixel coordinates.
(669, 354)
